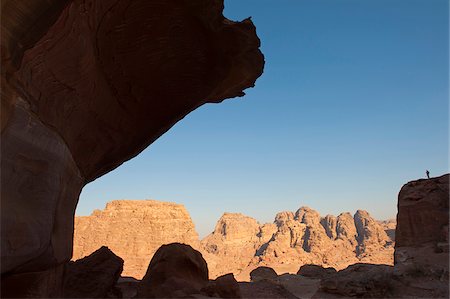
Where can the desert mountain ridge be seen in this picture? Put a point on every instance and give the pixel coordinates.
(239, 243)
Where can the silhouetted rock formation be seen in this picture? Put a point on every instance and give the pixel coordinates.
(134, 230)
(261, 273)
(224, 286)
(359, 280)
(315, 271)
(86, 86)
(175, 271)
(93, 276)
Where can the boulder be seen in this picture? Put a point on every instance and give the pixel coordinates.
(92, 276)
(224, 286)
(176, 270)
(262, 272)
(315, 271)
(265, 289)
(359, 280)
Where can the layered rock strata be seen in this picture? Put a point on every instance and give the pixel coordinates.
(87, 85)
(134, 230)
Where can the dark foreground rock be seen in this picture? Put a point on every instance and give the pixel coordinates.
(176, 270)
(360, 280)
(264, 289)
(93, 276)
(315, 271)
(262, 272)
(86, 86)
(224, 286)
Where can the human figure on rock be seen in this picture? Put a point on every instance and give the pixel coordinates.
(428, 173)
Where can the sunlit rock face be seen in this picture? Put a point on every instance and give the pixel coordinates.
(87, 85)
(134, 230)
(239, 244)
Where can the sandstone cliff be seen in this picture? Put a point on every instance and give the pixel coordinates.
(134, 230)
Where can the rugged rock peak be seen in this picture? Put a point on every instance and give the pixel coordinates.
(236, 226)
(307, 216)
(368, 229)
(266, 232)
(345, 227)
(232, 244)
(329, 222)
(284, 217)
(125, 226)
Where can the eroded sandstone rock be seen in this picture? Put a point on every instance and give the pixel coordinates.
(134, 230)
(296, 239)
(86, 86)
(422, 242)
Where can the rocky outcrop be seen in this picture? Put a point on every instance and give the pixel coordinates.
(261, 273)
(175, 271)
(359, 280)
(421, 250)
(93, 276)
(233, 244)
(86, 86)
(293, 240)
(134, 230)
(224, 286)
(315, 271)
(422, 245)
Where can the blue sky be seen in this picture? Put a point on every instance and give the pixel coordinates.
(353, 103)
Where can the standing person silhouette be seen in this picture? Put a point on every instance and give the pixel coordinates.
(428, 173)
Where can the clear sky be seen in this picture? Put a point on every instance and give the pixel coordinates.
(353, 103)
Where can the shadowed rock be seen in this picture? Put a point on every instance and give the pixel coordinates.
(176, 270)
(265, 289)
(224, 286)
(93, 276)
(315, 271)
(86, 86)
(359, 280)
(262, 272)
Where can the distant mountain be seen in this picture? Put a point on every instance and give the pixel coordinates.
(135, 229)
(239, 244)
